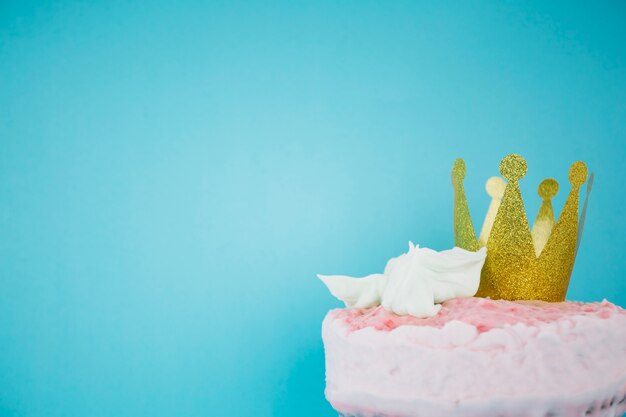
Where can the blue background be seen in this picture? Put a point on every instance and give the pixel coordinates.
(173, 176)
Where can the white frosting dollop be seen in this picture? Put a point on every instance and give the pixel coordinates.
(413, 283)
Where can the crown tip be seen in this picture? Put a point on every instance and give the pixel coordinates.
(495, 187)
(458, 170)
(578, 173)
(513, 167)
(548, 188)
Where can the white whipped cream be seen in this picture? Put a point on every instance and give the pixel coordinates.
(413, 283)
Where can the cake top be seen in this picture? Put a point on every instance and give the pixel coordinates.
(509, 261)
(482, 313)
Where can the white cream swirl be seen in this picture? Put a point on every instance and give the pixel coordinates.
(413, 283)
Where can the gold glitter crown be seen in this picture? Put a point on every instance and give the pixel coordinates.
(522, 264)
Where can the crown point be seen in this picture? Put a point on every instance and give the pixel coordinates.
(495, 187)
(458, 171)
(577, 173)
(513, 167)
(548, 189)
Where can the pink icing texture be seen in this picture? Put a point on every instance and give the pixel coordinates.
(479, 358)
(482, 313)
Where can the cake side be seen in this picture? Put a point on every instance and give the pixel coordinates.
(478, 357)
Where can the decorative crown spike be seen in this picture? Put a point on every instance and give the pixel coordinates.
(545, 218)
(495, 188)
(520, 264)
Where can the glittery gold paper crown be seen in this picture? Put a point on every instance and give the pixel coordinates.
(522, 264)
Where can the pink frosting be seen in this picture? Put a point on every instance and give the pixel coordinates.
(482, 313)
(479, 357)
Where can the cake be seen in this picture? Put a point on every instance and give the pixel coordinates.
(483, 329)
(478, 358)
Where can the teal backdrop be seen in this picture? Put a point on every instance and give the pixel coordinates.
(174, 174)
